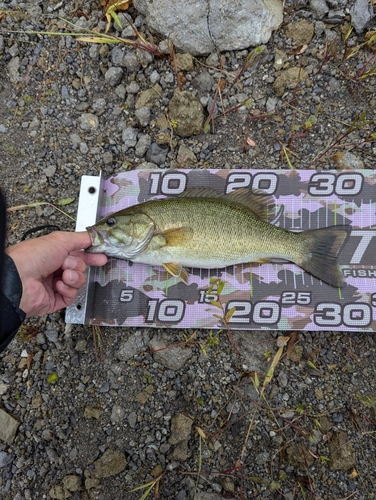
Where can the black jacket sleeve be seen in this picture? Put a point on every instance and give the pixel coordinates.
(11, 316)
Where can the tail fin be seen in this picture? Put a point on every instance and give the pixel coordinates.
(322, 249)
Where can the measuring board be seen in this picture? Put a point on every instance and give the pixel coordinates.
(277, 295)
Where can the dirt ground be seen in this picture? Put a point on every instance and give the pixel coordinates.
(193, 420)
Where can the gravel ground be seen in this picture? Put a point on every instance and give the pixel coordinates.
(102, 427)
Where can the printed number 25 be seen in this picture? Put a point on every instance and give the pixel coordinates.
(291, 298)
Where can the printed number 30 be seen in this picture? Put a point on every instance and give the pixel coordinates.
(341, 185)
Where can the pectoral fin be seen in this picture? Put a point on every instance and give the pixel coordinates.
(176, 269)
(158, 241)
(178, 236)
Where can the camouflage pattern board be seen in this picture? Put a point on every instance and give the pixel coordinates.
(278, 295)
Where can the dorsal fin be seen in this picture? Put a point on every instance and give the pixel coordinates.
(262, 205)
(201, 193)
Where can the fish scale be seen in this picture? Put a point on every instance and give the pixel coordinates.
(220, 231)
(207, 230)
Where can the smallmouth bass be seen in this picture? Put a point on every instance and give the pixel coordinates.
(205, 229)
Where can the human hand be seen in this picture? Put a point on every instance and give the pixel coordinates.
(51, 269)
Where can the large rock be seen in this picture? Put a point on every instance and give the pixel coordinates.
(361, 14)
(8, 427)
(173, 358)
(299, 456)
(252, 346)
(342, 453)
(187, 113)
(201, 27)
(181, 426)
(111, 463)
(289, 78)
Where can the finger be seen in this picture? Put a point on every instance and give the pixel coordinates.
(73, 278)
(65, 295)
(95, 259)
(91, 259)
(72, 241)
(73, 262)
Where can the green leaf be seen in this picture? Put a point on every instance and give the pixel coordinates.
(216, 304)
(348, 33)
(97, 39)
(207, 127)
(52, 378)
(310, 122)
(229, 314)
(299, 408)
(274, 485)
(287, 158)
(312, 365)
(203, 350)
(65, 201)
(220, 286)
(115, 17)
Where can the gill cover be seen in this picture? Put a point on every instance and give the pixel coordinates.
(122, 235)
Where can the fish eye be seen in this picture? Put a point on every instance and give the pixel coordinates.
(111, 221)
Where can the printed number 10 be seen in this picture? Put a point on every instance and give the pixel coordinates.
(169, 183)
(166, 311)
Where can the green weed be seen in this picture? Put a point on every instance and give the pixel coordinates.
(252, 59)
(91, 36)
(216, 287)
(367, 401)
(34, 204)
(148, 487)
(11, 149)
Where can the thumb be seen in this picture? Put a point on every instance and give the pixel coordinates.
(72, 241)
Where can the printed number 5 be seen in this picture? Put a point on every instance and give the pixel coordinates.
(126, 295)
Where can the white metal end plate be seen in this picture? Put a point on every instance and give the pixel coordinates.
(87, 214)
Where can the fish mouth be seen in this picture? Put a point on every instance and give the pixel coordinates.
(98, 238)
(92, 232)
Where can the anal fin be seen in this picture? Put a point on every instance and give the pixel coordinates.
(176, 269)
